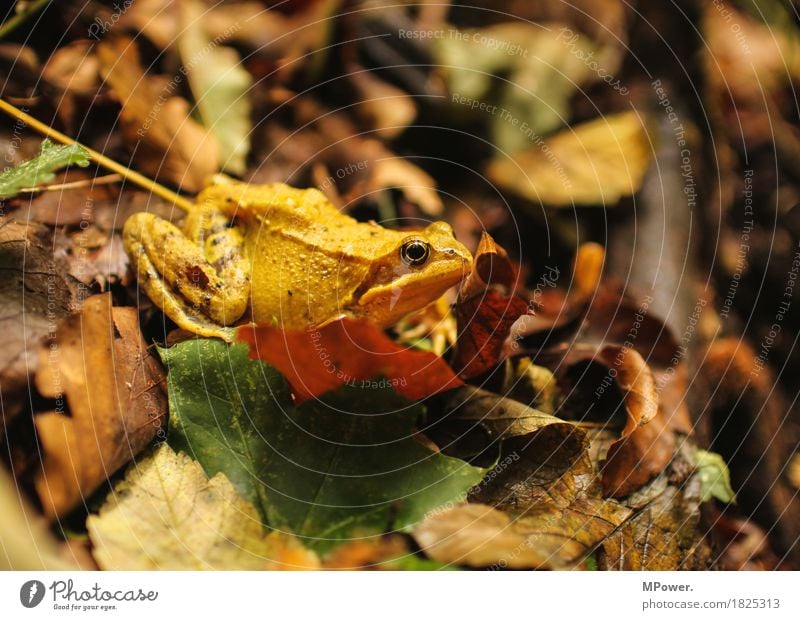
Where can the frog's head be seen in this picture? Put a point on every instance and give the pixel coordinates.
(418, 268)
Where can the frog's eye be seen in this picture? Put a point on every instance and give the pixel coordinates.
(415, 252)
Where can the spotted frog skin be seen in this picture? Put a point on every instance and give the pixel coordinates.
(277, 255)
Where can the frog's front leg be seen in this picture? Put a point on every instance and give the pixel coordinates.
(200, 278)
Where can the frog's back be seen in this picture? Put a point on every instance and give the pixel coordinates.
(308, 259)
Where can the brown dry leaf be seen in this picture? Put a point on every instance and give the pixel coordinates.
(166, 514)
(35, 293)
(74, 72)
(745, 420)
(73, 68)
(636, 381)
(386, 108)
(281, 39)
(754, 53)
(99, 364)
(170, 145)
(745, 545)
(587, 272)
(21, 70)
(504, 417)
(593, 163)
(70, 206)
(551, 491)
(541, 469)
(793, 471)
(546, 536)
(646, 443)
(386, 170)
(103, 263)
(491, 266)
(558, 310)
(665, 534)
(392, 172)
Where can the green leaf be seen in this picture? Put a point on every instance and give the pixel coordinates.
(41, 168)
(220, 86)
(715, 479)
(344, 465)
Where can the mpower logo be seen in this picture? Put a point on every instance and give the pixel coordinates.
(66, 595)
(31, 593)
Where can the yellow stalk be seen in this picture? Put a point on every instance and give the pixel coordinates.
(100, 159)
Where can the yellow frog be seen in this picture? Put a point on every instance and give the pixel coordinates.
(290, 257)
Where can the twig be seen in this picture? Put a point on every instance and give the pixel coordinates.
(20, 18)
(100, 159)
(109, 178)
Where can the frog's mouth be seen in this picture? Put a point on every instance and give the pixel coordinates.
(406, 294)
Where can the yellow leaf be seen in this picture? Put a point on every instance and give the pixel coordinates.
(167, 514)
(593, 163)
(220, 85)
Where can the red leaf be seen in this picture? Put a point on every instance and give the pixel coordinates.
(484, 314)
(346, 352)
(484, 322)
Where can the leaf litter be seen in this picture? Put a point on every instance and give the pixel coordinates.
(483, 457)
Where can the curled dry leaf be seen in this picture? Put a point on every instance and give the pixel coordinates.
(169, 144)
(745, 545)
(346, 352)
(74, 72)
(593, 163)
(98, 363)
(558, 310)
(166, 514)
(636, 381)
(504, 417)
(743, 411)
(484, 314)
(646, 443)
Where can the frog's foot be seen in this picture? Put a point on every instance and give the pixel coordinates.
(435, 321)
(178, 278)
(175, 307)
